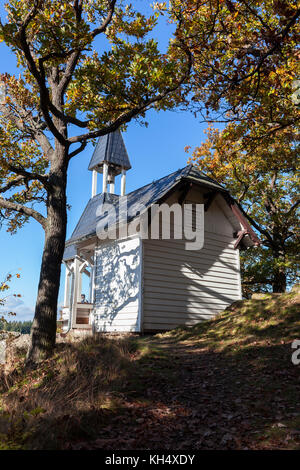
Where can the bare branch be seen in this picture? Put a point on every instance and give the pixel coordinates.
(78, 150)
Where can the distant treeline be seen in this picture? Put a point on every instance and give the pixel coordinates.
(19, 326)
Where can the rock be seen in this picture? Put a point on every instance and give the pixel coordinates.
(5, 339)
(21, 342)
(17, 346)
(11, 342)
(259, 296)
(4, 335)
(73, 335)
(2, 351)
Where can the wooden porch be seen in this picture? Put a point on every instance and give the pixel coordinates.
(81, 316)
(77, 314)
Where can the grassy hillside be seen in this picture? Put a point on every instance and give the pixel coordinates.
(228, 383)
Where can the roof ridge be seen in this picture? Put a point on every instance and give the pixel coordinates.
(157, 180)
(146, 195)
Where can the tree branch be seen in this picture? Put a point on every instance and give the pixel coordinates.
(255, 224)
(38, 75)
(33, 131)
(294, 206)
(107, 20)
(17, 180)
(45, 144)
(273, 49)
(75, 55)
(78, 150)
(13, 206)
(28, 175)
(127, 116)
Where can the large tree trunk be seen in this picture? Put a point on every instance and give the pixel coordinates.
(43, 331)
(279, 283)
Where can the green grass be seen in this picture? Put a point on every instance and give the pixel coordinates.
(246, 322)
(67, 395)
(186, 388)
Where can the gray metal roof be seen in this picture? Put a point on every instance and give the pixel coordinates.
(110, 149)
(70, 252)
(140, 199)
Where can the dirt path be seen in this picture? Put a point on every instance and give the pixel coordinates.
(184, 396)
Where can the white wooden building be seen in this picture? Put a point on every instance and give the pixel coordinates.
(147, 285)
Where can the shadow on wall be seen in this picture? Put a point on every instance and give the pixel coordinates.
(180, 286)
(187, 287)
(116, 284)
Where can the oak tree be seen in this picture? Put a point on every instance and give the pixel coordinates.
(245, 56)
(265, 182)
(244, 52)
(87, 68)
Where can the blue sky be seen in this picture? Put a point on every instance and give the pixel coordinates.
(154, 152)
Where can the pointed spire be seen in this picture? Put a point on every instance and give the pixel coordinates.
(110, 149)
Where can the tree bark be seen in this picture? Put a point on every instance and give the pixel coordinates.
(279, 280)
(43, 331)
(279, 283)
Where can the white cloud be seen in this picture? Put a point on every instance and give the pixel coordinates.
(16, 305)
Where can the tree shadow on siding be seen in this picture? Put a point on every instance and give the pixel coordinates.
(121, 286)
(206, 300)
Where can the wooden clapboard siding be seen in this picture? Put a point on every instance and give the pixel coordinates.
(117, 286)
(183, 287)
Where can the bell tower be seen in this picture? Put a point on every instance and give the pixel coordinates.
(110, 158)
